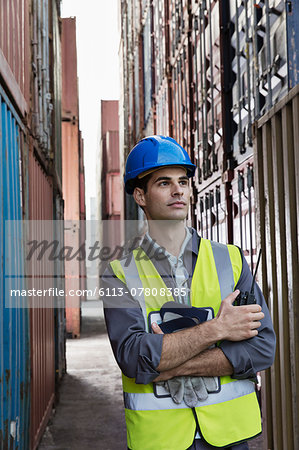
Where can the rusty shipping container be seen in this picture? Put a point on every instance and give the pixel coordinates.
(159, 29)
(148, 64)
(71, 171)
(30, 73)
(42, 309)
(276, 151)
(111, 183)
(162, 122)
(56, 90)
(15, 52)
(208, 102)
(259, 65)
(14, 316)
(178, 26)
(40, 81)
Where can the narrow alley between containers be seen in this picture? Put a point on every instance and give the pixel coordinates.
(89, 414)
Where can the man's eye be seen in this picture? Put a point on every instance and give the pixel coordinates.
(163, 183)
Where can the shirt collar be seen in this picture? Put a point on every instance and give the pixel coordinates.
(191, 244)
(170, 255)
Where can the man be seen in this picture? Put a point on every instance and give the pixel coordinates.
(174, 263)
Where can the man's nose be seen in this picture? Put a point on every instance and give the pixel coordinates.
(177, 189)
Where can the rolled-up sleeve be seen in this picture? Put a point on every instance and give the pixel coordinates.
(252, 355)
(137, 352)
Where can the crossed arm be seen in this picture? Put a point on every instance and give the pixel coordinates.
(151, 357)
(187, 352)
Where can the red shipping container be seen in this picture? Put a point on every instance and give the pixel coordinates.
(42, 314)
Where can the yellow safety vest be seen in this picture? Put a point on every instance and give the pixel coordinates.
(227, 417)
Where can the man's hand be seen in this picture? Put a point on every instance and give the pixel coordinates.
(237, 323)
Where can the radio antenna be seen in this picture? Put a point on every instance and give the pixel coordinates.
(255, 272)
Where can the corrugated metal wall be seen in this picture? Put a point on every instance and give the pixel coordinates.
(277, 179)
(72, 173)
(14, 323)
(14, 50)
(42, 311)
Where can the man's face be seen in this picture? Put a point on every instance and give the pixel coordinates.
(168, 195)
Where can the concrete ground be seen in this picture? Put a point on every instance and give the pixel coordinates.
(90, 412)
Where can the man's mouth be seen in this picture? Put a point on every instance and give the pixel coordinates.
(177, 203)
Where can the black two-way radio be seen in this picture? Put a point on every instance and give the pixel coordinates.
(248, 298)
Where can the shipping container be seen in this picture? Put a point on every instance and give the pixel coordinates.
(159, 27)
(243, 216)
(110, 224)
(42, 105)
(59, 283)
(162, 125)
(137, 89)
(212, 212)
(178, 26)
(30, 70)
(42, 337)
(147, 67)
(259, 66)
(71, 171)
(207, 95)
(276, 152)
(56, 89)
(15, 51)
(14, 317)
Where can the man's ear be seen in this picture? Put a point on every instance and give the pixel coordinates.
(138, 195)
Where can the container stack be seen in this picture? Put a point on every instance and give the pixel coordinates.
(73, 177)
(32, 328)
(110, 213)
(220, 76)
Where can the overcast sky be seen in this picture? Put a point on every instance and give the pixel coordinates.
(98, 71)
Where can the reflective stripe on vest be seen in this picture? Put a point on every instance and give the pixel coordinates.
(224, 269)
(134, 284)
(149, 402)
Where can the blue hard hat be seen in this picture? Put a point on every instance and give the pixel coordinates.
(154, 152)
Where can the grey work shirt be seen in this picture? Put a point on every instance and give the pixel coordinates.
(138, 353)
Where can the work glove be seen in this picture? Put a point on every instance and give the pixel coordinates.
(175, 387)
(197, 389)
(189, 389)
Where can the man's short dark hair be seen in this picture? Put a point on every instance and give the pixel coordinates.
(142, 182)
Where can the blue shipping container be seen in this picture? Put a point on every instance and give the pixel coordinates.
(14, 321)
